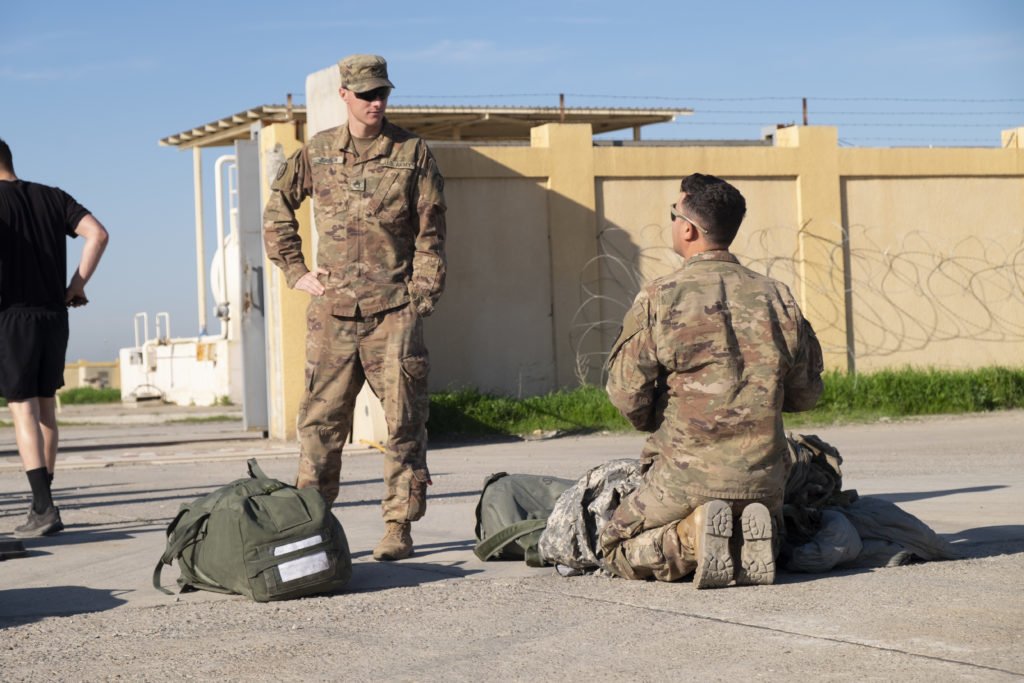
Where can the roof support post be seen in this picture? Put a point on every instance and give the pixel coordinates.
(197, 180)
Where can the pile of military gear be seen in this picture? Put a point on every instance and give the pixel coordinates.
(825, 527)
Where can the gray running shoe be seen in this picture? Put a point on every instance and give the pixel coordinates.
(40, 524)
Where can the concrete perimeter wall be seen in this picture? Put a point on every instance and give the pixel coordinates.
(898, 256)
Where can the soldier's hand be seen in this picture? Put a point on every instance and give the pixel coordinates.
(423, 305)
(310, 282)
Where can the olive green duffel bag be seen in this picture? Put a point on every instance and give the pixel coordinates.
(511, 515)
(258, 537)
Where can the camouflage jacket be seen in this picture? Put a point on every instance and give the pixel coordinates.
(708, 358)
(380, 220)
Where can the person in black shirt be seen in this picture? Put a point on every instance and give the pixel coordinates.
(34, 220)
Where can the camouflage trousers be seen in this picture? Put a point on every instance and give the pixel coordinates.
(640, 540)
(387, 351)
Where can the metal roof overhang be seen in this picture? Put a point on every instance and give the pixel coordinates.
(238, 126)
(470, 124)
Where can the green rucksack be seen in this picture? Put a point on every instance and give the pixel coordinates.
(258, 537)
(511, 515)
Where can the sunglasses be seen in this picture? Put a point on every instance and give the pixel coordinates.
(380, 93)
(675, 214)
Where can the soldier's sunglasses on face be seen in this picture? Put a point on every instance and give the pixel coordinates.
(675, 214)
(380, 93)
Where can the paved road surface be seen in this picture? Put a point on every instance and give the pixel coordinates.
(81, 607)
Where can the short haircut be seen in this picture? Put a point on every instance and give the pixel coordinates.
(716, 205)
(6, 160)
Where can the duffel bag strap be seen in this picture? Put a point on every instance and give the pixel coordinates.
(175, 549)
(492, 545)
(269, 485)
(254, 470)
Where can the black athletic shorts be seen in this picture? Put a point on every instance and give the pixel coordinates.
(33, 342)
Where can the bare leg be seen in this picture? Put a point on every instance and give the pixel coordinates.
(33, 440)
(28, 433)
(48, 428)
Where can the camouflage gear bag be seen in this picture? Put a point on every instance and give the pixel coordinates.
(258, 537)
(512, 513)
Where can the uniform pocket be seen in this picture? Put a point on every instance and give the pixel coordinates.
(416, 367)
(413, 400)
(388, 195)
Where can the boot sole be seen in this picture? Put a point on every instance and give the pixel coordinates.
(714, 564)
(391, 557)
(757, 561)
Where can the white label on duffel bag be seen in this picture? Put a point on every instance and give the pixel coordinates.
(297, 545)
(304, 566)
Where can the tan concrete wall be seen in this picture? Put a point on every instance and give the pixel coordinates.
(492, 328)
(937, 271)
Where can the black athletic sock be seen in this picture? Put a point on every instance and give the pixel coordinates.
(49, 476)
(39, 480)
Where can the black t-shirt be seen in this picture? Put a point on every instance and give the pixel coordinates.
(34, 220)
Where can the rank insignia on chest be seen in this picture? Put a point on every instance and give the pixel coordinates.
(359, 184)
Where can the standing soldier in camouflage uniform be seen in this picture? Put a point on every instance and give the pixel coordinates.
(707, 360)
(380, 268)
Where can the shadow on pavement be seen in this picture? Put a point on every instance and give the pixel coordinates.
(988, 541)
(423, 550)
(433, 496)
(114, 445)
(376, 576)
(922, 495)
(16, 503)
(75, 534)
(20, 606)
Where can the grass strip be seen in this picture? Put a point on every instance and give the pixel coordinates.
(469, 413)
(207, 418)
(83, 395)
(868, 397)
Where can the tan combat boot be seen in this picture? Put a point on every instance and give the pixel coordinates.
(708, 531)
(396, 544)
(757, 556)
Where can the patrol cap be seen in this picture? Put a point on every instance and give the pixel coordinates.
(360, 73)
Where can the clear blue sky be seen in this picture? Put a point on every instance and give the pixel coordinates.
(88, 88)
